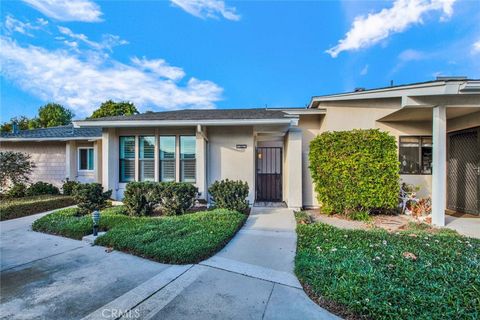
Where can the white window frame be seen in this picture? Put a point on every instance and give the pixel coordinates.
(78, 159)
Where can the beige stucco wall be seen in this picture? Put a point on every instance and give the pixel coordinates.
(49, 159)
(310, 125)
(225, 161)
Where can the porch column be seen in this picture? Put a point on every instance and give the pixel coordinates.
(201, 163)
(439, 165)
(71, 160)
(98, 160)
(294, 168)
(110, 154)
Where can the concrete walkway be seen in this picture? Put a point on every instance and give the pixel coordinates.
(468, 226)
(251, 278)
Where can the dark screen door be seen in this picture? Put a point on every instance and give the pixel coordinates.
(269, 174)
(463, 171)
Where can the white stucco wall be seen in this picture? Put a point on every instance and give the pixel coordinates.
(49, 159)
(225, 161)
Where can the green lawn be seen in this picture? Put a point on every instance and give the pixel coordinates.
(21, 207)
(414, 274)
(187, 238)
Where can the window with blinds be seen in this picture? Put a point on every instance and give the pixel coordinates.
(167, 158)
(146, 158)
(127, 159)
(187, 159)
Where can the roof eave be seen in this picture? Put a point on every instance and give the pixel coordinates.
(62, 139)
(174, 123)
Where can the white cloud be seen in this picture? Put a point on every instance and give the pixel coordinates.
(14, 25)
(208, 9)
(369, 30)
(108, 40)
(476, 47)
(160, 67)
(411, 55)
(68, 10)
(364, 70)
(82, 82)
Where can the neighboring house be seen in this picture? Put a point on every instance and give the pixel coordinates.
(59, 152)
(268, 148)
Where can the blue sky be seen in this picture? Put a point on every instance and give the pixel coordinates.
(166, 55)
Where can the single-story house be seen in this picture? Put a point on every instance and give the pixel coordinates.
(436, 124)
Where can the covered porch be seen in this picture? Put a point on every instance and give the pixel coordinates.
(454, 125)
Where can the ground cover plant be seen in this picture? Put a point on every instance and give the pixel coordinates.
(187, 238)
(418, 273)
(16, 208)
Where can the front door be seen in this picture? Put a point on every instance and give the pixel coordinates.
(269, 174)
(463, 171)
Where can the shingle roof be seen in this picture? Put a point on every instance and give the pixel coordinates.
(202, 114)
(61, 132)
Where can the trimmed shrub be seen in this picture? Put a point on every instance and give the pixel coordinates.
(16, 208)
(230, 194)
(355, 170)
(40, 188)
(176, 197)
(68, 186)
(17, 191)
(90, 197)
(140, 198)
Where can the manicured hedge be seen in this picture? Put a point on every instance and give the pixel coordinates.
(355, 170)
(16, 208)
(374, 274)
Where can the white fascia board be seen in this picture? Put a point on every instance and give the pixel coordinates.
(302, 111)
(50, 139)
(178, 123)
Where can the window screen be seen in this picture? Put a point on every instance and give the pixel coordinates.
(415, 155)
(187, 158)
(146, 158)
(127, 159)
(167, 158)
(86, 159)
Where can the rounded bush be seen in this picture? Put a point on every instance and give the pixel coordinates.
(355, 170)
(40, 188)
(173, 198)
(140, 198)
(90, 197)
(68, 187)
(230, 194)
(18, 190)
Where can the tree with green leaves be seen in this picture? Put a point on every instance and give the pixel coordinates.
(111, 108)
(49, 115)
(15, 167)
(54, 114)
(23, 123)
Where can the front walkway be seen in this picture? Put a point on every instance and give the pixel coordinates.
(52, 277)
